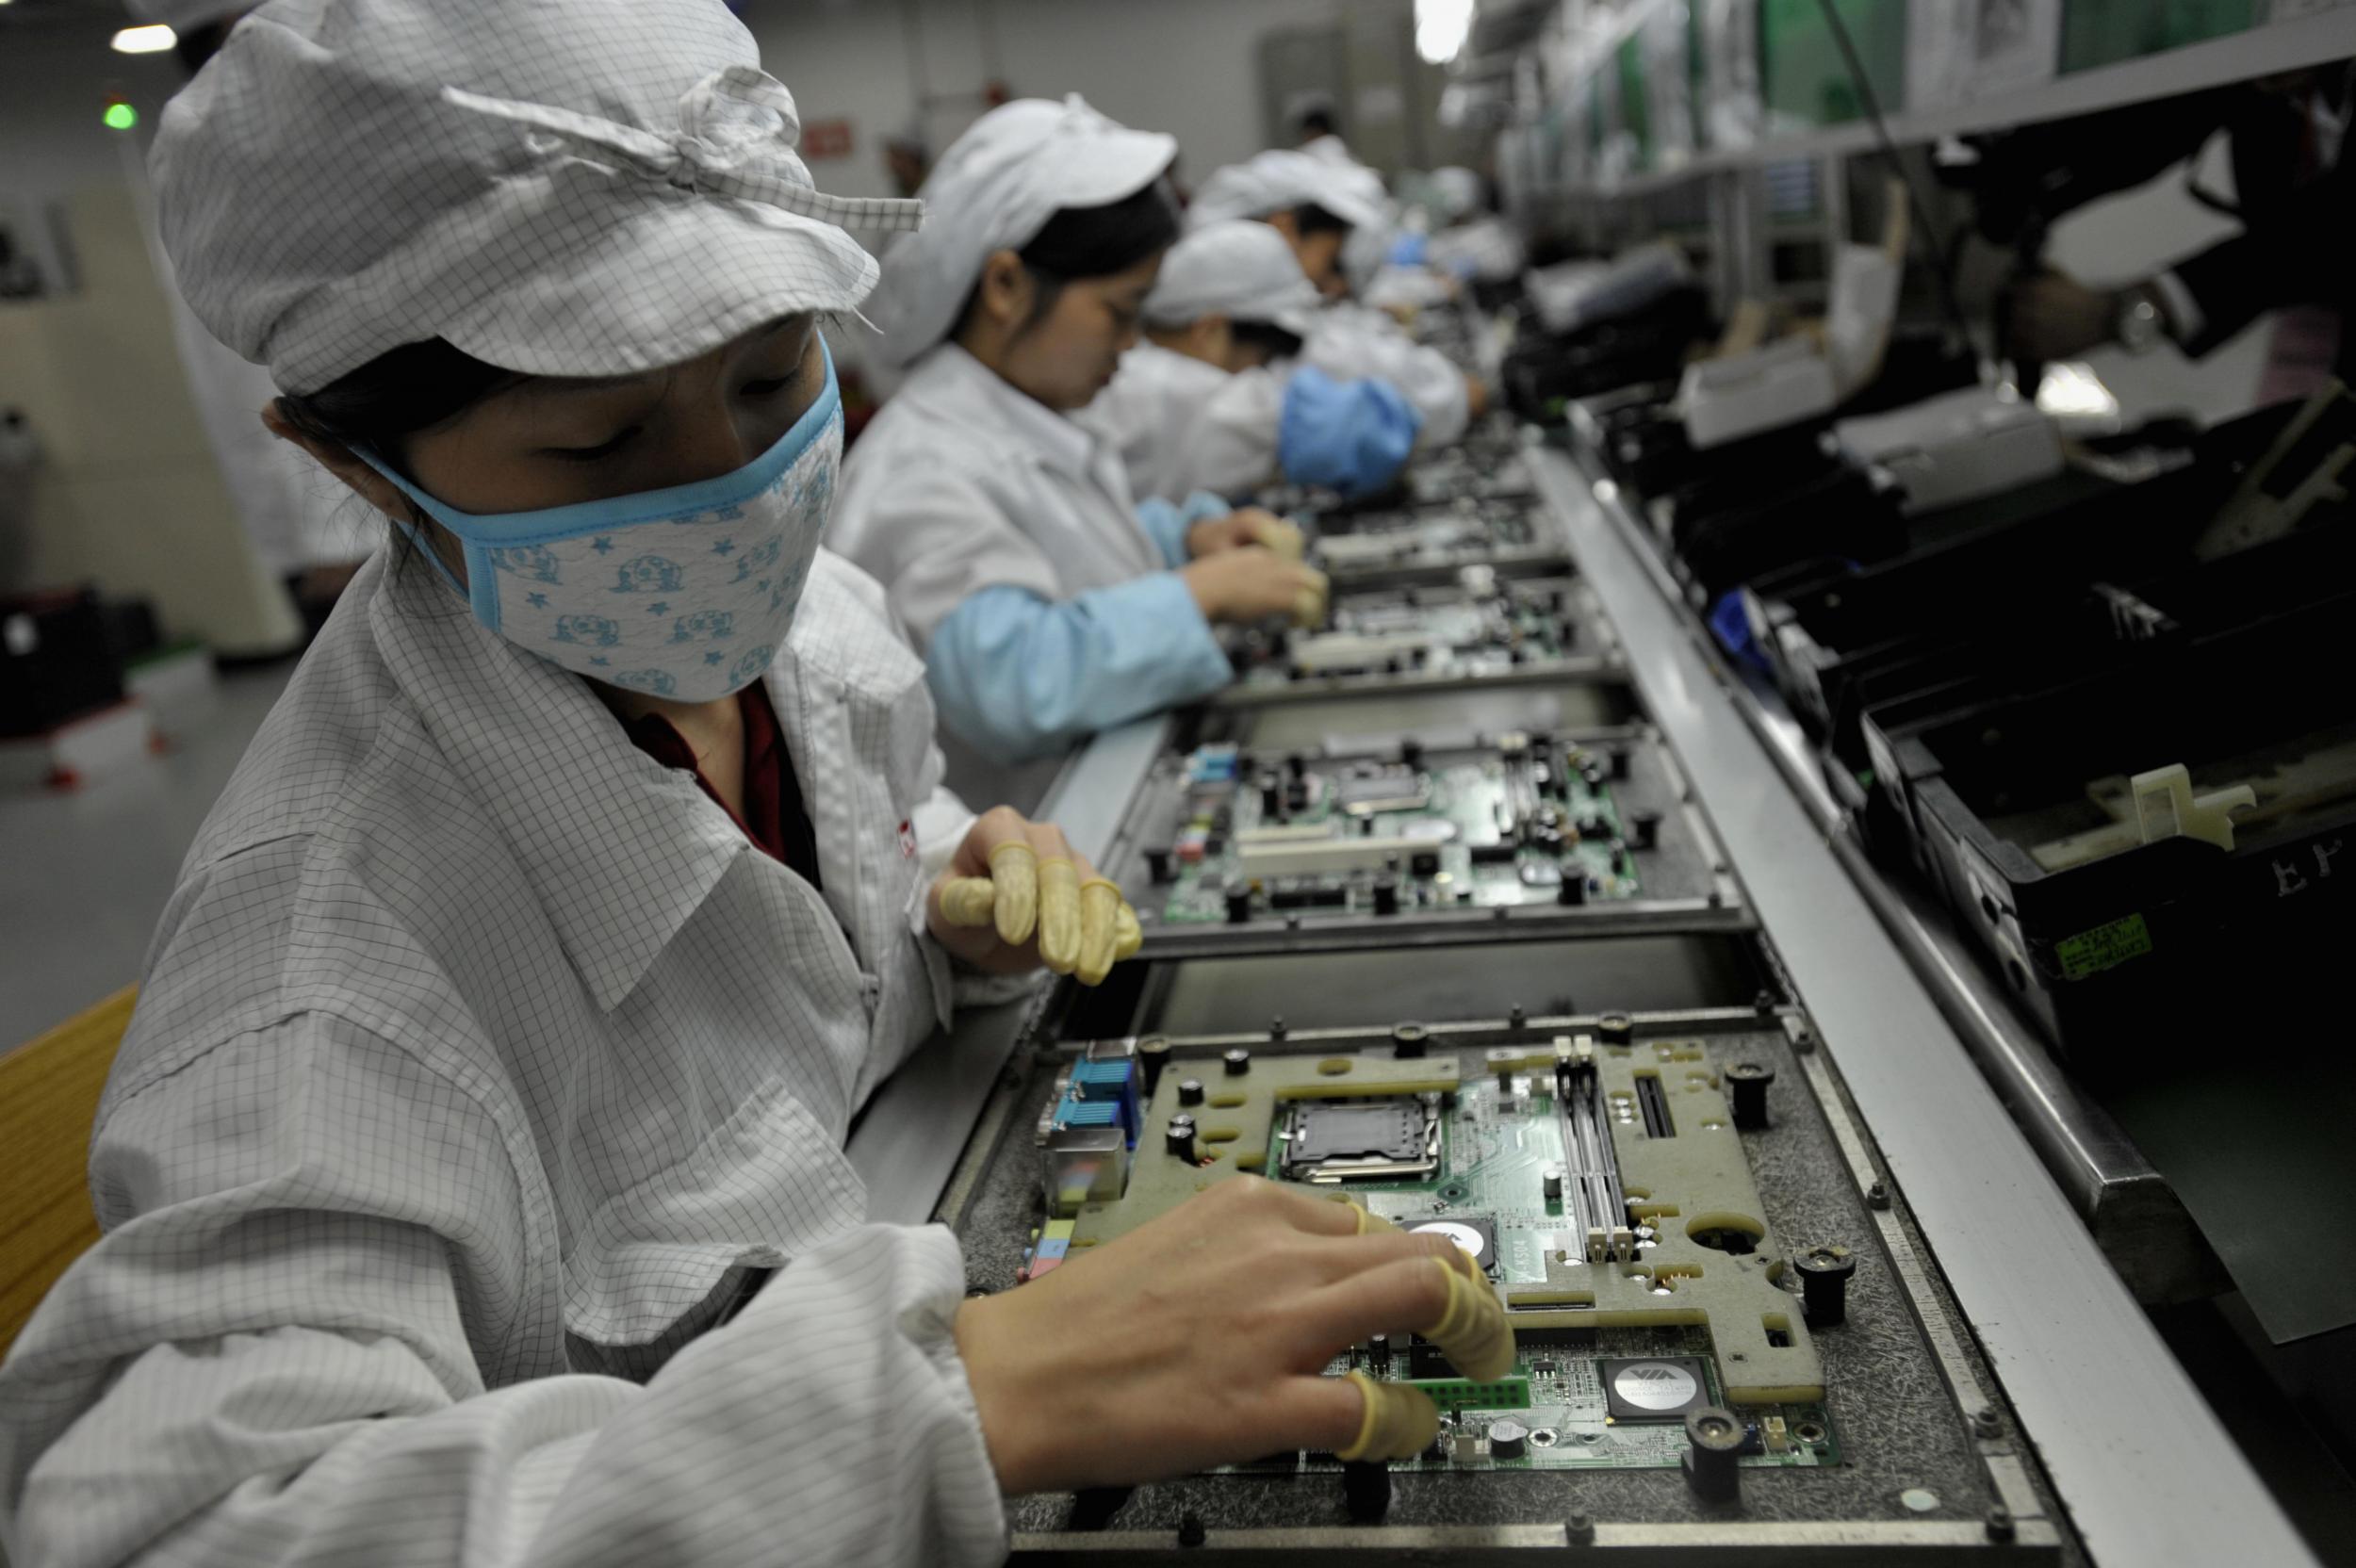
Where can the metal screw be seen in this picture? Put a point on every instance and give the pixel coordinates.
(1276, 1028)
(1517, 1018)
(1877, 1196)
(1803, 1043)
(1763, 1002)
(1580, 1529)
(1986, 1422)
(1999, 1524)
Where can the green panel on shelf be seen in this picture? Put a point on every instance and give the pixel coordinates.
(1636, 101)
(2105, 32)
(1804, 78)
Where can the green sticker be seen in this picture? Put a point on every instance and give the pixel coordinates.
(2105, 946)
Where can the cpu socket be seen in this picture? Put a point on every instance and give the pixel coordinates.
(1362, 1140)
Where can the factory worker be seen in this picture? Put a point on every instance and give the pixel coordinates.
(1212, 399)
(472, 1171)
(1047, 601)
(1320, 209)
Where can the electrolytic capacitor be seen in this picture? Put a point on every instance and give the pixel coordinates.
(1386, 895)
(1238, 904)
(1238, 1062)
(1714, 1439)
(1746, 1086)
(1508, 1439)
(1552, 1179)
(1190, 1091)
(1178, 1136)
(1824, 1274)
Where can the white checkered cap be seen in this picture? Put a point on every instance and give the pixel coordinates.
(993, 189)
(1236, 268)
(591, 188)
(1281, 179)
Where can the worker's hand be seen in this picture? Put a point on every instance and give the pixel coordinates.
(1254, 583)
(1207, 1330)
(1240, 530)
(1017, 897)
(2053, 316)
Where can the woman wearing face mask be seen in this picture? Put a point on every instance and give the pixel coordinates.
(1213, 399)
(1048, 603)
(472, 1171)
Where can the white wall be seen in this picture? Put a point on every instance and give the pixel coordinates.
(1188, 67)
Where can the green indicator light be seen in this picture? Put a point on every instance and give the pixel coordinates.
(120, 117)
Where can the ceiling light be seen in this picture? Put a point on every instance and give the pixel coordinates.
(145, 40)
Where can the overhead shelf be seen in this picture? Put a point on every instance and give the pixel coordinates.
(1608, 114)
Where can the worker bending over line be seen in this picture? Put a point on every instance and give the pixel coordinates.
(1320, 208)
(1048, 602)
(1214, 397)
(472, 1175)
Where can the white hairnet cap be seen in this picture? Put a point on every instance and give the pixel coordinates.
(1281, 179)
(1238, 269)
(994, 189)
(591, 188)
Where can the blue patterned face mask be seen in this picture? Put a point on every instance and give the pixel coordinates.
(685, 593)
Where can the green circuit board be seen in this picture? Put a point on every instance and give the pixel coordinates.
(1482, 627)
(1597, 1185)
(1505, 825)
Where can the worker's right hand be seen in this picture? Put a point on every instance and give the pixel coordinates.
(1207, 1332)
(1253, 584)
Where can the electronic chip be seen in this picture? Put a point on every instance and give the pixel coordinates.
(1475, 1235)
(1337, 1140)
(1655, 1388)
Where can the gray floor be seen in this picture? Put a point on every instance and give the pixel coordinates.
(86, 871)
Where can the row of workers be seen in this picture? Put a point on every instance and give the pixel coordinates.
(472, 1174)
(1085, 393)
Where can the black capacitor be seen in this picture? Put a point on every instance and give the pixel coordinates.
(1410, 1039)
(1824, 1274)
(1296, 796)
(1386, 895)
(1592, 827)
(1746, 1084)
(1157, 865)
(1615, 1029)
(1271, 797)
(1297, 765)
(1714, 1439)
(1152, 1055)
(1411, 753)
(1379, 1351)
(1238, 1062)
(1238, 904)
(1367, 1489)
(1178, 1136)
(1365, 828)
(1592, 774)
(1623, 859)
(1646, 825)
(1574, 889)
(1424, 862)
(1619, 762)
(1190, 1091)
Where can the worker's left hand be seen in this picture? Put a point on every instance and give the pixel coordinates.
(1017, 896)
(1243, 529)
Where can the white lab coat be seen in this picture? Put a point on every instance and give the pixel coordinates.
(963, 482)
(1183, 425)
(479, 1060)
(1352, 341)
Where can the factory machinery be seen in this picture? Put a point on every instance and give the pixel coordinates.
(1494, 909)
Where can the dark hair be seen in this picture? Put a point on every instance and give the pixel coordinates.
(1317, 122)
(1309, 218)
(1267, 336)
(197, 44)
(1090, 242)
(394, 396)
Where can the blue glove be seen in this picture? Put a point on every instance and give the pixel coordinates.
(1347, 435)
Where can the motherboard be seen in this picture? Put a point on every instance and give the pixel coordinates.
(1430, 541)
(1598, 1180)
(1528, 819)
(1481, 627)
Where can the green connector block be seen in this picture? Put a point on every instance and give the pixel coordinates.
(1457, 1394)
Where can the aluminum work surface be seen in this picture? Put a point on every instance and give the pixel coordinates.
(2122, 1431)
(1898, 1424)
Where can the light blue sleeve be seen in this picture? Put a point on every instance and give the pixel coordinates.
(1347, 435)
(1167, 525)
(1016, 675)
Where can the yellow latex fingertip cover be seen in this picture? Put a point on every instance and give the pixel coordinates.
(1473, 1333)
(1399, 1422)
(1059, 915)
(1129, 937)
(1279, 536)
(1014, 870)
(1100, 906)
(969, 901)
(1371, 1223)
